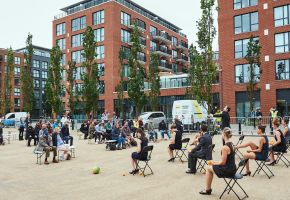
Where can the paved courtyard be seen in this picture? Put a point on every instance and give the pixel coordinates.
(21, 178)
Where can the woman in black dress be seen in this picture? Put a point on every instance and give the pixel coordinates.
(224, 168)
(175, 142)
(142, 142)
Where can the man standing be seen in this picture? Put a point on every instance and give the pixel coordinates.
(202, 150)
(225, 117)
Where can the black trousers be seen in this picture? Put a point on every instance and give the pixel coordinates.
(192, 160)
(31, 138)
(21, 132)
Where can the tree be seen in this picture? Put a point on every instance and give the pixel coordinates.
(27, 87)
(70, 87)
(120, 87)
(54, 88)
(137, 73)
(7, 89)
(90, 92)
(154, 81)
(253, 58)
(202, 71)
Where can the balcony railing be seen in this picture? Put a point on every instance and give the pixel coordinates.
(141, 58)
(161, 36)
(182, 59)
(161, 51)
(165, 66)
(182, 45)
(140, 24)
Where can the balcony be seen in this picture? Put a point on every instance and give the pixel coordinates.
(140, 25)
(165, 66)
(182, 59)
(161, 51)
(141, 58)
(182, 46)
(142, 42)
(161, 36)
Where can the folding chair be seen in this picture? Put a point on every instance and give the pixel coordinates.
(39, 154)
(202, 162)
(183, 149)
(232, 181)
(145, 150)
(281, 157)
(261, 165)
(237, 151)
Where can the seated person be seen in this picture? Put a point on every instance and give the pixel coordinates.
(202, 150)
(45, 144)
(100, 131)
(280, 144)
(30, 134)
(286, 130)
(85, 129)
(259, 152)
(65, 134)
(142, 142)
(175, 141)
(151, 131)
(126, 133)
(163, 129)
(92, 131)
(108, 129)
(116, 135)
(1, 134)
(61, 146)
(224, 168)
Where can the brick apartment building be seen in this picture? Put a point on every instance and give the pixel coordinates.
(112, 22)
(268, 21)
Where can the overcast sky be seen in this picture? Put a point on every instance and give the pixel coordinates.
(36, 16)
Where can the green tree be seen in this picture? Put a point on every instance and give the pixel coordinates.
(154, 81)
(7, 107)
(137, 73)
(253, 58)
(202, 71)
(71, 85)
(90, 92)
(27, 87)
(54, 87)
(121, 85)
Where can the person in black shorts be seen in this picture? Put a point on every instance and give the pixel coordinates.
(175, 142)
(224, 168)
(142, 142)
(259, 152)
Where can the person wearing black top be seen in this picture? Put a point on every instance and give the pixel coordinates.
(225, 117)
(30, 134)
(142, 142)
(179, 125)
(85, 129)
(224, 168)
(175, 142)
(1, 135)
(65, 134)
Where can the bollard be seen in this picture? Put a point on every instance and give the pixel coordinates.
(240, 128)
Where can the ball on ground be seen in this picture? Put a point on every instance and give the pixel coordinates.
(96, 170)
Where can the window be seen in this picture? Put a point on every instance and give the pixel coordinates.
(241, 47)
(243, 104)
(36, 93)
(43, 83)
(243, 73)
(77, 56)
(99, 35)
(238, 4)
(153, 46)
(125, 36)
(77, 40)
(17, 60)
(60, 29)
(36, 63)
(16, 82)
(44, 65)
(174, 41)
(174, 54)
(36, 83)
(44, 75)
(126, 52)
(100, 51)
(282, 70)
(99, 17)
(61, 43)
(153, 30)
(79, 72)
(126, 70)
(63, 60)
(16, 91)
(282, 15)
(17, 102)
(101, 69)
(125, 19)
(35, 73)
(79, 23)
(282, 42)
(101, 87)
(16, 71)
(141, 56)
(246, 23)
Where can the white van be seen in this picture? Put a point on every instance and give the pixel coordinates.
(14, 118)
(189, 111)
(157, 117)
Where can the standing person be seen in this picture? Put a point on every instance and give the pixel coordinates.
(65, 134)
(30, 134)
(175, 142)
(27, 120)
(224, 168)
(225, 117)
(259, 116)
(21, 129)
(162, 127)
(142, 142)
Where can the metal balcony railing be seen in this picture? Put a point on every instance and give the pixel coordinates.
(161, 36)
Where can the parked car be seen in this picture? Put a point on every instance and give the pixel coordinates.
(157, 117)
(12, 119)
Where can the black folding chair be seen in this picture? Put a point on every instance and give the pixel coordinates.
(263, 167)
(237, 151)
(232, 181)
(281, 157)
(183, 149)
(202, 162)
(146, 150)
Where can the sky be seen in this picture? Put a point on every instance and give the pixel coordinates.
(36, 16)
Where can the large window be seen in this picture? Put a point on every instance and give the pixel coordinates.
(99, 34)
(36, 83)
(125, 36)
(79, 23)
(44, 75)
(153, 46)
(44, 65)
(282, 42)
(16, 71)
(243, 103)
(126, 52)
(174, 41)
(101, 69)
(16, 91)
(43, 83)
(79, 72)
(17, 102)
(238, 4)
(153, 30)
(125, 19)
(100, 51)
(63, 59)
(77, 56)
(17, 60)
(35, 73)
(243, 73)
(99, 17)
(61, 43)
(241, 47)
(126, 71)
(101, 87)
(282, 70)
(36, 63)
(60, 29)
(77, 40)
(282, 15)
(246, 23)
